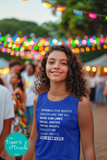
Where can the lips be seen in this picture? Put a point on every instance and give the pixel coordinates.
(56, 73)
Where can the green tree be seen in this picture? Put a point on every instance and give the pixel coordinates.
(54, 30)
(82, 25)
(14, 26)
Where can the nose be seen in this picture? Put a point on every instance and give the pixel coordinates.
(57, 65)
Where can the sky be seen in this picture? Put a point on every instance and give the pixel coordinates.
(31, 10)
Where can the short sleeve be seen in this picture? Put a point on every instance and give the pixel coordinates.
(9, 109)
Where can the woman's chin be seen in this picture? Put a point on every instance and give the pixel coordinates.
(57, 80)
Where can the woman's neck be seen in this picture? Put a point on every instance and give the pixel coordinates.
(58, 89)
(14, 86)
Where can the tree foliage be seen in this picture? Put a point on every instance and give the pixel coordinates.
(22, 28)
(82, 25)
(14, 26)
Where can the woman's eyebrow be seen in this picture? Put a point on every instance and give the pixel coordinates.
(61, 59)
(64, 60)
(51, 58)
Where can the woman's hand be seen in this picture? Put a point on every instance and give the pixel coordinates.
(24, 108)
(15, 107)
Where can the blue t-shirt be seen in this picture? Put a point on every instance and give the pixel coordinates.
(58, 130)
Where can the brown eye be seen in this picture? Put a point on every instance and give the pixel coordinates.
(51, 62)
(64, 63)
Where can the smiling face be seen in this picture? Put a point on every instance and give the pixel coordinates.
(57, 66)
(16, 68)
(14, 79)
(29, 69)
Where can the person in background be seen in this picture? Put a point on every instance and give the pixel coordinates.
(86, 77)
(92, 82)
(14, 66)
(19, 123)
(37, 65)
(99, 86)
(105, 92)
(29, 80)
(6, 115)
(23, 72)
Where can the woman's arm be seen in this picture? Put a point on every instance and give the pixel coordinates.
(32, 140)
(5, 133)
(85, 120)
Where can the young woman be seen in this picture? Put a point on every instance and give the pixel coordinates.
(62, 111)
(19, 123)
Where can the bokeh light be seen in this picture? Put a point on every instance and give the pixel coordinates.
(92, 15)
(88, 68)
(60, 8)
(94, 69)
(46, 4)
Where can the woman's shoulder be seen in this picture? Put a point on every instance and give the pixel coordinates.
(84, 108)
(84, 105)
(35, 99)
(39, 96)
(84, 102)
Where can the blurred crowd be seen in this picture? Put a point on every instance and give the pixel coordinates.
(20, 86)
(97, 84)
(20, 83)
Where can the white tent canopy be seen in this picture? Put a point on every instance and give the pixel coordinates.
(100, 61)
(3, 63)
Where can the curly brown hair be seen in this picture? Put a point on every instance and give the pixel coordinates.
(76, 82)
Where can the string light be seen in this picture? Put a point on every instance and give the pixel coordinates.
(60, 8)
(88, 68)
(87, 49)
(105, 46)
(77, 50)
(98, 47)
(93, 48)
(82, 49)
(94, 69)
(105, 69)
(16, 45)
(92, 15)
(77, 12)
(46, 4)
(4, 71)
